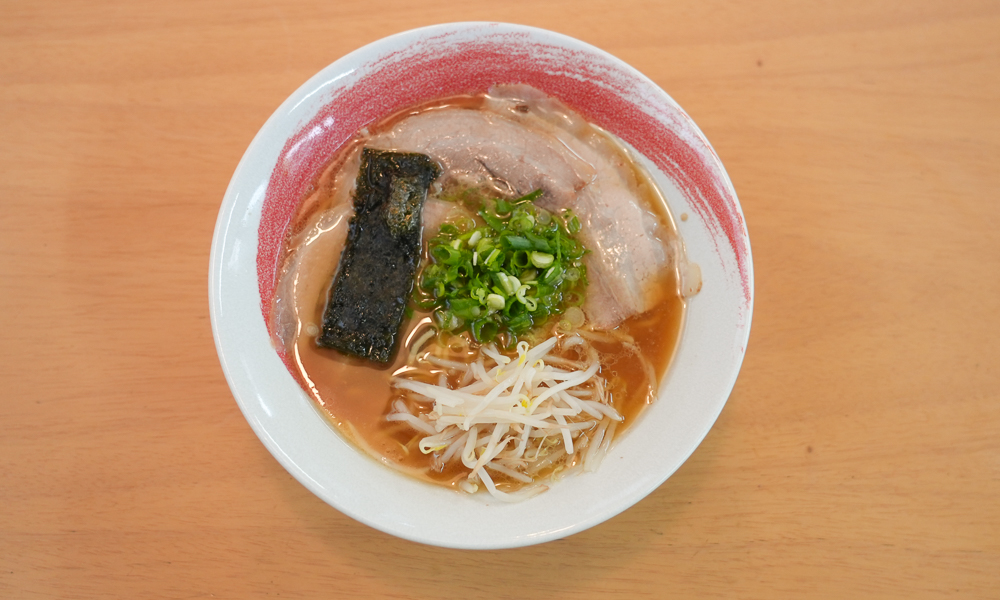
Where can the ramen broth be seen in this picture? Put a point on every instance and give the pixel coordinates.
(356, 396)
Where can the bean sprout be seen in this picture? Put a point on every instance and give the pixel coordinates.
(527, 417)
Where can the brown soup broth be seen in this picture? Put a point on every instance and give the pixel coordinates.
(356, 396)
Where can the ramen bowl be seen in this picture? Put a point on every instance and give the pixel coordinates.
(290, 151)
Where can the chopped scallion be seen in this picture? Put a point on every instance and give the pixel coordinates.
(506, 271)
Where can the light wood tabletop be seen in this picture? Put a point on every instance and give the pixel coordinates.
(857, 457)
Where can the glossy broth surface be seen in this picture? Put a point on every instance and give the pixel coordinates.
(357, 396)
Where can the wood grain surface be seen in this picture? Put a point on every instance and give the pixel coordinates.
(858, 455)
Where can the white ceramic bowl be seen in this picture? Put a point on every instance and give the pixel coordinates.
(432, 62)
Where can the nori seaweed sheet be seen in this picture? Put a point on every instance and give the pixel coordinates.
(375, 277)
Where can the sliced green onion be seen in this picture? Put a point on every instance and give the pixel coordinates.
(535, 195)
(446, 254)
(493, 221)
(484, 245)
(528, 301)
(520, 323)
(573, 224)
(541, 259)
(538, 242)
(492, 257)
(484, 331)
(503, 273)
(516, 242)
(523, 222)
(552, 273)
(495, 301)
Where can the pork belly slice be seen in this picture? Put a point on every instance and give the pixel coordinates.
(523, 141)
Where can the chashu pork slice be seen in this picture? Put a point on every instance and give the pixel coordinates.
(481, 147)
(525, 141)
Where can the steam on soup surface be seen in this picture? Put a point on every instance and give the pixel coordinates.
(546, 307)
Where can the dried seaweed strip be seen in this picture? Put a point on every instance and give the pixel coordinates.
(368, 299)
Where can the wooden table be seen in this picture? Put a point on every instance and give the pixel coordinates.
(858, 456)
